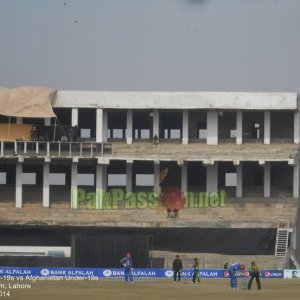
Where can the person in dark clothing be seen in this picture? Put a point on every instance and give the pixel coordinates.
(254, 273)
(226, 266)
(177, 267)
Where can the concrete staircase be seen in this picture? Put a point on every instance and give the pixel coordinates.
(282, 239)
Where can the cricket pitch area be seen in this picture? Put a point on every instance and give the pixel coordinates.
(160, 289)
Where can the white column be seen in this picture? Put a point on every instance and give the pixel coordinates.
(47, 121)
(46, 190)
(101, 125)
(129, 127)
(239, 181)
(267, 127)
(156, 123)
(296, 181)
(128, 177)
(104, 126)
(156, 170)
(212, 128)
(297, 127)
(184, 183)
(74, 117)
(101, 184)
(239, 127)
(74, 176)
(212, 178)
(185, 127)
(267, 180)
(19, 184)
(19, 120)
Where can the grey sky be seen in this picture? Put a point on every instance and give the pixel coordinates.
(205, 45)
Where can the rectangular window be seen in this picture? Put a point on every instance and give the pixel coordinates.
(85, 133)
(202, 133)
(230, 179)
(57, 179)
(117, 179)
(175, 134)
(28, 178)
(166, 135)
(144, 180)
(117, 133)
(145, 133)
(85, 179)
(233, 133)
(2, 178)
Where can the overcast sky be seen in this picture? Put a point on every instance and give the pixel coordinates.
(175, 45)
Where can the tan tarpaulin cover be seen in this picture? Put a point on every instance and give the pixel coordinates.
(26, 102)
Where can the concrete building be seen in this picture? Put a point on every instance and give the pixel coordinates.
(243, 144)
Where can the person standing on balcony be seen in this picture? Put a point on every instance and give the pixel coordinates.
(33, 133)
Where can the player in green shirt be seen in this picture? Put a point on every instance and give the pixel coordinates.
(196, 278)
(254, 273)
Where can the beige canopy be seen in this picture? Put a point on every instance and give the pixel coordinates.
(26, 102)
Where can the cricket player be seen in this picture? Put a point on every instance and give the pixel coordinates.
(127, 264)
(177, 267)
(196, 271)
(232, 273)
(254, 273)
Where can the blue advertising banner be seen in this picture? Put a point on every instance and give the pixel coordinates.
(114, 273)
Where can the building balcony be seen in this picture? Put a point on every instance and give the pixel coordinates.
(54, 149)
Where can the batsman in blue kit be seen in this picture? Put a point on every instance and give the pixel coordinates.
(232, 273)
(127, 264)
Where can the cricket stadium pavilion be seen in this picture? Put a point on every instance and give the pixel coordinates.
(186, 172)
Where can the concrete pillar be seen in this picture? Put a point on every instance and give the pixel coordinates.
(47, 121)
(46, 190)
(19, 167)
(212, 128)
(185, 127)
(19, 120)
(129, 177)
(156, 172)
(74, 176)
(156, 123)
(129, 127)
(101, 125)
(184, 181)
(239, 127)
(296, 181)
(101, 184)
(74, 117)
(239, 181)
(267, 127)
(212, 178)
(297, 127)
(267, 180)
(104, 126)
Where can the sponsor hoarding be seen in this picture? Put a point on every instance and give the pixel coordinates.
(117, 272)
(292, 274)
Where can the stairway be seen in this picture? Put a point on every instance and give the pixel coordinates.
(282, 239)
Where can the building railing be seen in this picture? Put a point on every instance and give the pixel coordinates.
(55, 149)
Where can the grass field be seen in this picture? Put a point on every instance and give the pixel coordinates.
(209, 289)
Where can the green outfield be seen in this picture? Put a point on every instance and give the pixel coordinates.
(210, 289)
